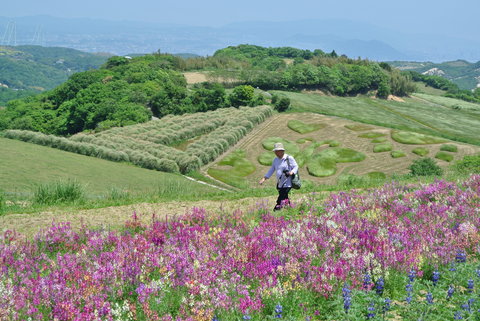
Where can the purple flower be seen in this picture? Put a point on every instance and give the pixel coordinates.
(347, 299)
(387, 305)
(461, 257)
(380, 286)
(409, 287)
(411, 275)
(278, 311)
(371, 311)
(450, 292)
(429, 298)
(470, 286)
(435, 277)
(366, 281)
(458, 316)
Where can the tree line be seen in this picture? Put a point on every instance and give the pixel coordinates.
(122, 92)
(125, 91)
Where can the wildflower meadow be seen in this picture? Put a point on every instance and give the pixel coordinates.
(393, 253)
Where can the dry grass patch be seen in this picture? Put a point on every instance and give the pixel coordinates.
(195, 77)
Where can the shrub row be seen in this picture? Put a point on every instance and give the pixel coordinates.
(172, 129)
(210, 146)
(138, 158)
(184, 161)
(67, 145)
(130, 144)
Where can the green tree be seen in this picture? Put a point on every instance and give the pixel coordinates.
(476, 92)
(208, 97)
(425, 167)
(242, 96)
(282, 104)
(170, 99)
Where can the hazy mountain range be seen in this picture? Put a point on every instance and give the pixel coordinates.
(355, 39)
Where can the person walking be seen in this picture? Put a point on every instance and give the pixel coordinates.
(285, 167)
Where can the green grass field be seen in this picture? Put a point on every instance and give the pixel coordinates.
(450, 102)
(23, 166)
(423, 89)
(415, 114)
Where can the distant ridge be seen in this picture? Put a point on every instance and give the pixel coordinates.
(29, 69)
(353, 38)
(463, 73)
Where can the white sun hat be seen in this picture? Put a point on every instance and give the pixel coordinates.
(278, 146)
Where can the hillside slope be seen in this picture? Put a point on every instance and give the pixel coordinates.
(24, 165)
(28, 69)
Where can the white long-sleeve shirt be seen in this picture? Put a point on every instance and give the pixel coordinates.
(278, 166)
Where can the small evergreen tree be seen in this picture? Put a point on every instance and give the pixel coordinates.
(282, 104)
(425, 167)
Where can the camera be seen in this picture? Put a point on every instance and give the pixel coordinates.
(286, 172)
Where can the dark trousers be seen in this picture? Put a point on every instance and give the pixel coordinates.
(282, 196)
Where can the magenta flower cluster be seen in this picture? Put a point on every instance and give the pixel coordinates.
(234, 264)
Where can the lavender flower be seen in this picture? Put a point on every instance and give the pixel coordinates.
(371, 311)
(461, 257)
(411, 275)
(409, 287)
(450, 292)
(435, 277)
(470, 286)
(278, 311)
(409, 299)
(347, 299)
(380, 286)
(466, 307)
(387, 305)
(366, 281)
(429, 298)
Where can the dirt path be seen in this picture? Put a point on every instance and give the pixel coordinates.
(115, 217)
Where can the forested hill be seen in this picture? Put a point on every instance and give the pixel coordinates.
(128, 90)
(463, 73)
(28, 69)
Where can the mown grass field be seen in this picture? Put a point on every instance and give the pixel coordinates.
(423, 115)
(374, 146)
(24, 165)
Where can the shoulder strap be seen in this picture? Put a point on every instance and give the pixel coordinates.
(288, 161)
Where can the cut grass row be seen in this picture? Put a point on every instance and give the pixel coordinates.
(134, 143)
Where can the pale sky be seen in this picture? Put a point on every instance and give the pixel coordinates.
(460, 17)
